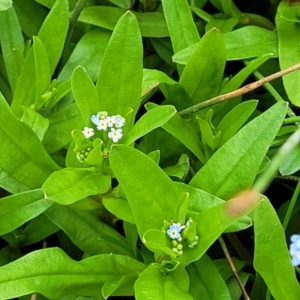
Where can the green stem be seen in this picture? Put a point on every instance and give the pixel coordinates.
(267, 176)
(291, 120)
(291, 206)
(73, 19)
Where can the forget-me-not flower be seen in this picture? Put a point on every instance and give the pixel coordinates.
(174, 231)
(110, 121)
(102, 124)
(95, 119)
(88, 132)
(115, 134)
(119, 121)
(295, 249)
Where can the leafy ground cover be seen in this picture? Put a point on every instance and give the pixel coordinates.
(150, 149)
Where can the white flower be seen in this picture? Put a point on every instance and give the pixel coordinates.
(115, 134)
(88, 132)
(119, 121)
(102, 115)
(102, 125)
(110, 121)
(95, 119)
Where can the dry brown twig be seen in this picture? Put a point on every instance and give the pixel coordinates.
(241, 91)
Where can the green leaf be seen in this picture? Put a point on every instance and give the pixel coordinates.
(157, 241)
(205, 280)
(271, 257)
(60, 127)
(224, 26)
(85, 94)
(244, 43)
(203, 73)
(235, 119)
(5, 4)
(199, 201)
(150, 192)
(42, 70)
(291, 13)
(152, 283)
(71, 184)
(241, 156)
(54, 30)
(122, 3)
(250, 41)
(119, 207)
(237, 80)
(292, 163)
(38, 229)
(120, 79)
(132, 237)
(151, 24)
(207, 137)
(229, 8)
(10, 184)
(20, 208)
(223, 216)
(184, 132)
(183, 31)
(29, 163)
(88, 53)
(45, 276)
(25, 90)
(151, 120)
(11, 42)
(38, 123)
(153, 79)
(87, 231)
(31, 16)
(288, 51)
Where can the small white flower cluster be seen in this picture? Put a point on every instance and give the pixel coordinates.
(104, 122)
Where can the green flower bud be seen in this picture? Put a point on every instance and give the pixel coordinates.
(179, 246)
(175, 250)
(174, 243)
(189, 232)
(180, 253)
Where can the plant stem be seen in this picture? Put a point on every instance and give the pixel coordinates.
(241, 91)
(233, 269)
(291, 120)
(291, 206)
(291, 178)
(274, 93)
(73, 19)
(267, 176)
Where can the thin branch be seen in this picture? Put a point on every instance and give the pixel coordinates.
(243, 90)
(238, 247)
(275, 94)
(73, 19)
(233, 269)
(33, 297)
(290, 177)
